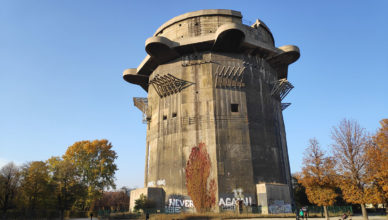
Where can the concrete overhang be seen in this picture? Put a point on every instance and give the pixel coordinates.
(131, 76)
(161, 49)
(285, 56)
(229, 37)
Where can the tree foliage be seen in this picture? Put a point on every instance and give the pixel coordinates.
(200, 188)
(94, 163)
(9, 183)
(350, 142)
(300, 195)
(143, 203)
(318, 176)
(71, 183)
(113, 201)
(35, 186)
(376, 157)
(66, 183)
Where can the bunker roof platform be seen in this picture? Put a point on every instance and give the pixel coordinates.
(215, 30)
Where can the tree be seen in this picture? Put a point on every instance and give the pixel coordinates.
(66, 183)
(199, 187)
(94, 162)
(9, 183)
(115, 201)
(377, 165)
(300, 195)
(318, 177)
(350, 141)
(143, 204)
(35, 186)
(119, 201)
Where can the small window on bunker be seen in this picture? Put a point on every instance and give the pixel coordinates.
(164, 117)
(174, 114)
(234, 107)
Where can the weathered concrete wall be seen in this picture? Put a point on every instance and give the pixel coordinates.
(214, 82)
(135, 195)
(274, 198)
(153, 194)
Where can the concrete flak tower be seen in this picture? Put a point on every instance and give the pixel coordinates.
(215, 133)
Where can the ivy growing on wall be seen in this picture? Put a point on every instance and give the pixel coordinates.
(200, 188)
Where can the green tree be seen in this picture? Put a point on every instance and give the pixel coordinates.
(318, 177)
(66, 183)
(9, 183)
(94, 162)
(143, 204)
(35, 186)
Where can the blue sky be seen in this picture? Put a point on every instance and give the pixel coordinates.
(61, 66)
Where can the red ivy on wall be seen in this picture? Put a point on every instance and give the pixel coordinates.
(201, 190)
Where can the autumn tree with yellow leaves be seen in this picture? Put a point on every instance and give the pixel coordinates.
(318, 176)
(376, 157)
(94, 163)
(350, 143)
(65, 184)
(35, 187)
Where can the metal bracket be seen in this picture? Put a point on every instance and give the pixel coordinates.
(281, 88)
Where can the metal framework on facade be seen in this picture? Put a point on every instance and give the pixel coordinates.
(285, 105)
(168, 84)
(229, 76)
(281, 87)
(142, 104)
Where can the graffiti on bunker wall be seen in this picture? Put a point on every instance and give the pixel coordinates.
(187, 203)
(161, 182)
(229, 201)
(279, 206)
(201, 189)
(178, 204)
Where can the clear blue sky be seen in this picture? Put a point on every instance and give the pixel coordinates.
(61, 66)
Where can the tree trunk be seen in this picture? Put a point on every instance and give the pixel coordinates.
(364, 213)
(326, 212)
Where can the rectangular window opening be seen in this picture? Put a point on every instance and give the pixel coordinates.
(174, 114)
(234, 107)
(164, 117)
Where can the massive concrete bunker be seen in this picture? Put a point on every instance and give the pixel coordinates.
(215, 130)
